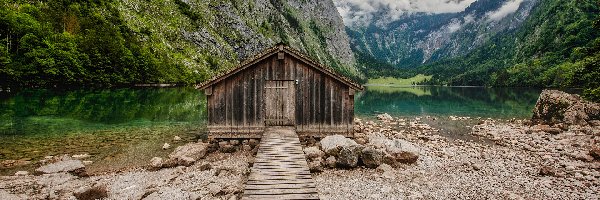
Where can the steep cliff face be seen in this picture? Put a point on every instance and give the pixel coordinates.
(420, 38)
(123, 42)
(211, 36)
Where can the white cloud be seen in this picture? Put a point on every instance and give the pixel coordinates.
(509, 7)
(361, 11)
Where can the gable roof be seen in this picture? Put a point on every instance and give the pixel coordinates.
(271, 51)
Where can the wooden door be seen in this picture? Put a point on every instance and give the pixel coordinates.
(280, 103)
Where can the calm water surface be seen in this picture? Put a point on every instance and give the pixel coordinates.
(124, 128)
(120, 128)
(501, 103)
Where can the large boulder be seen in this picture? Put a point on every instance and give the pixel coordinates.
(61, 166)
(334, 143)
(397, 150)
(555, 107)
(372, 157)
(188, 154)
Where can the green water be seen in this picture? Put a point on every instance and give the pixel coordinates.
(120, 128)
(125, 128)
(503, 103)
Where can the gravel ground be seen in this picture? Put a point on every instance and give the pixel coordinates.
(508, 167)
(450, 169)
(224, 180)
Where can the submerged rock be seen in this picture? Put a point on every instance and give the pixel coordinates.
(555, 107)
(13, 163)
(61, 166)
(385, 117)
(166, 146)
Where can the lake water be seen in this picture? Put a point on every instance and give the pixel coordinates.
(501, 103)
(124, 128)
(118, 127)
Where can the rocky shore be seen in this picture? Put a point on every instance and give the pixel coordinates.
(554, 155)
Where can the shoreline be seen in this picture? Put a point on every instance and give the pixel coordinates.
(446, 168)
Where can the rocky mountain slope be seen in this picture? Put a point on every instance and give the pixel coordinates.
(419, 38)
(110, 42)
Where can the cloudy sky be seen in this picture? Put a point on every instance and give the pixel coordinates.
(360, 12)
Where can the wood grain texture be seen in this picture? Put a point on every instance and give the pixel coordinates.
(280, 170)
(276, 92)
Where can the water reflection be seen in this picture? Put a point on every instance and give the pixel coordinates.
(46, 111)
(445, 101)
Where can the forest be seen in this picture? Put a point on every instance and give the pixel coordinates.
(78, 43)
(558, 46)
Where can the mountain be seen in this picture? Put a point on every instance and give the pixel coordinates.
(523, 43)
(420, 38)
(121, 42)
(556, 46)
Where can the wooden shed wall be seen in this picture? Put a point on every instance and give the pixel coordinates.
(323, 104)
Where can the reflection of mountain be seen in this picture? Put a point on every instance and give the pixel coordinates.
(419, 91)
(36, 110)
(463, 101)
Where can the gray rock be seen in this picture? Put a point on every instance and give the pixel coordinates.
(166, 146)
(372, 157)
(246, 147)
(384, 168)
(331, 145)
(547, 171)
(21, 173)
(188, 154)
(156, 162)
(96, 192)
(385, 117)
(315, 166)
(61, 166)
(476, 167)
(595, 153)
(253, 142)
(228, 148)
(313, 152)
(555, 107)
(205, 166)
(348, 156)
(330, 162)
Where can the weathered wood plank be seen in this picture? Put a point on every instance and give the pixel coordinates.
(280, 170)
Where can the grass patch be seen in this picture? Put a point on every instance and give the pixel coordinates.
(395, 81)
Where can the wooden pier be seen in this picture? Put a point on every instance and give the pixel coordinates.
(280, 169)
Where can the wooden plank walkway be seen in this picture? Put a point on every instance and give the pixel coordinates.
(280, 169)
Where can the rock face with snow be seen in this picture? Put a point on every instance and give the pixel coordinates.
(555, 107)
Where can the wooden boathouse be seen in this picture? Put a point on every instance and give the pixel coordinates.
(280, 87)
